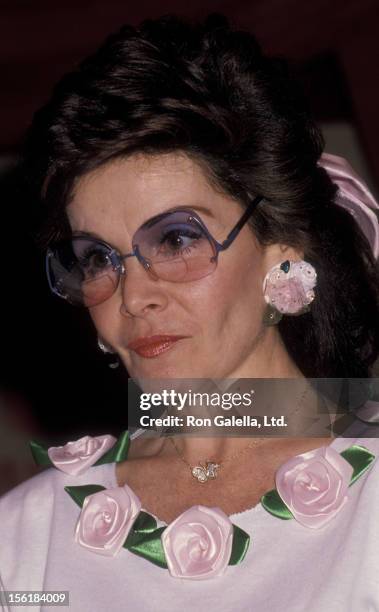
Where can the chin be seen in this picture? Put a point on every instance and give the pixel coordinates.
(162, 373)
(173, 364)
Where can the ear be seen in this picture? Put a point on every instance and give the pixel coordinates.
(275, 254)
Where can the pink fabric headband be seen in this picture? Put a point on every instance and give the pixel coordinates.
(354, 195)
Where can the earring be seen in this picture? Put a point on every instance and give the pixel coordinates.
(271, 316)
(288, 288)
(105, 349)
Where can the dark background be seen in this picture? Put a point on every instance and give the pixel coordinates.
(55, 383)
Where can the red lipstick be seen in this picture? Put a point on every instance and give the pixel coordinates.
(152, 346)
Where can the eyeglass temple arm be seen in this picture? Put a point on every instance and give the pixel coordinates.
(239, 225)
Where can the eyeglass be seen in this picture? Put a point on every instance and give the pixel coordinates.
(175, 246)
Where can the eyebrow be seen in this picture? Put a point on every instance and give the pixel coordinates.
(202, 209)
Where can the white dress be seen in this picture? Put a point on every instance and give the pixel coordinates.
(288, 567)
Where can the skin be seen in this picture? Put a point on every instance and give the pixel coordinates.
(112, 202)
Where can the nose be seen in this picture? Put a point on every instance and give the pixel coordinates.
(141, 292)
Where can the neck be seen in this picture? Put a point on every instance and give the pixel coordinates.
(269, 359)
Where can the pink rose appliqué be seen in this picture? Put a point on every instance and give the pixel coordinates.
(76, 457)
(198, 543)
(106, 519)
(314, 485)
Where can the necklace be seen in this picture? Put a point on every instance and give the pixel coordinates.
(208, 469)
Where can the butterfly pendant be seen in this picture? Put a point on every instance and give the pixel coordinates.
(204, 473)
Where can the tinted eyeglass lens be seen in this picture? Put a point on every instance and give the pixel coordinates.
(82, 271)
(176, 246)
(85, 271)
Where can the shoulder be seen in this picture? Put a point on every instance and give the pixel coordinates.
(36, 518)
(366, 487)
(26, 515)
(42, 490)
(27, 511)
(34, 501)
(40, 487)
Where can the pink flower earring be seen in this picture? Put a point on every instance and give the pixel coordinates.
(288, 288)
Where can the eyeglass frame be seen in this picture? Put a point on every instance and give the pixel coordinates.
(120, 268)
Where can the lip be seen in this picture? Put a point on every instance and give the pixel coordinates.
(152, 346)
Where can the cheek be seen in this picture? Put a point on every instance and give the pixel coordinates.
(104, 319)
(231, 299)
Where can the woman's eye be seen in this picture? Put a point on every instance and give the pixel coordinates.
(178, 240)
(94, 261)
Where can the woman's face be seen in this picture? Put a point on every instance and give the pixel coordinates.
(220, 315)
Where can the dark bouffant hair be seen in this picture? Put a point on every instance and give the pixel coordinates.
(207, 89)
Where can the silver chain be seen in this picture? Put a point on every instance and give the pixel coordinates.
(208, 470)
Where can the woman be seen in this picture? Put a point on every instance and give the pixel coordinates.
(147, 157)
